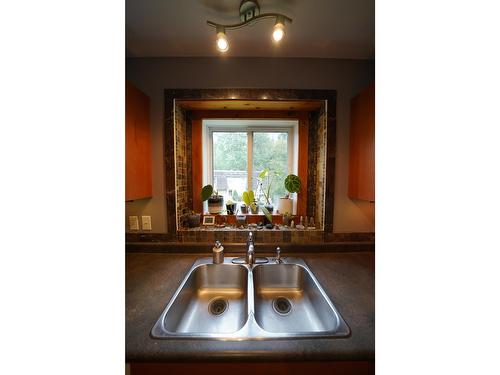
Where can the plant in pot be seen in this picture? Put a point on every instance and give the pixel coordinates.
(230, 207)
(266, 178)
(292, 185)
(250, 203)
(215, 201)
(268, 219)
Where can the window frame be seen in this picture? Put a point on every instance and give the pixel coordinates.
(250, 127)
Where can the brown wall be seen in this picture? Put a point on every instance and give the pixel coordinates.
(348, 77)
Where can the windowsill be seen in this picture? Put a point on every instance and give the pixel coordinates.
(225, 222)
(247, 229)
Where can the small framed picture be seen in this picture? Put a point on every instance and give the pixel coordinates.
(209, 220)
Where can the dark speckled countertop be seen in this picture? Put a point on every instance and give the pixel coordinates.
(347, 278)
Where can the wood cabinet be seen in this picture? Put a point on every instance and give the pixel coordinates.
(362, 146)
(138, 179)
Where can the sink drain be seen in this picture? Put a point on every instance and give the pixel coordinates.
(282, 306)
(217, 306)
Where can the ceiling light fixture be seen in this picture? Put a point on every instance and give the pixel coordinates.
(222, 44)
(279, 29)
(249, 14)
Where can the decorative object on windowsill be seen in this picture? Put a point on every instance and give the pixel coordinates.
(287, 217)
(249, 199)
(292, 185)
(249, 14)
(244, 208)
(301, 224)
(230, 207)
(209, 220)
(215, 201)
(266, 178)
(192, 219)
(311, 223)
(241, 220)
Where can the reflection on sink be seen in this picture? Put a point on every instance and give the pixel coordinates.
(288, 300)
(249, 302)
(213, 300)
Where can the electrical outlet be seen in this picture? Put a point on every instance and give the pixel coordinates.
(133, 222)
(146, 222)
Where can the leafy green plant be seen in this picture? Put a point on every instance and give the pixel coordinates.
(267, 213)
(249, 199)
(266, 178)
(206, 192)
(292, 183)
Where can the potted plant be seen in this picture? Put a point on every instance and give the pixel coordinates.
(292, 185)
(230, 207)
(215, 201)
(266, 177)
(249, 199)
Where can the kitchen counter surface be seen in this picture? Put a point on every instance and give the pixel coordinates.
(347, 278)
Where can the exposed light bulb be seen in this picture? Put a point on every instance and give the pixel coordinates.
(222, 44)
(278, 32)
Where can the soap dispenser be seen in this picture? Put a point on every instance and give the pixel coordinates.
(218, 253)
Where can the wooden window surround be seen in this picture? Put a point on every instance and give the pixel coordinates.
(296, 104)
(197, 118)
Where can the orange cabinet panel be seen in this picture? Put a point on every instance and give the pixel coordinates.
(362, 146)
(138, 180)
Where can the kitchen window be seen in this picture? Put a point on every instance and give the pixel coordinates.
(236, 151)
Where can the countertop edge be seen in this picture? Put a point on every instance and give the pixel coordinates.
(197, 247)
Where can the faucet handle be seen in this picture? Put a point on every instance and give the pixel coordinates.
(278, 255)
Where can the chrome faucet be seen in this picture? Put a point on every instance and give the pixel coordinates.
(250, 258)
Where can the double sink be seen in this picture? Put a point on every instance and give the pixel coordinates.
(230, 301)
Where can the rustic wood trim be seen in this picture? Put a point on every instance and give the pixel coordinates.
(303, 157)
(331, 141)
(197, 164)
(329, 96)
(231, 114)
(169, 164)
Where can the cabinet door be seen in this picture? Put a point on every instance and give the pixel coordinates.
(138, 183)
(362, 146)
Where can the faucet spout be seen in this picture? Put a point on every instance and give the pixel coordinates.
(250, 257)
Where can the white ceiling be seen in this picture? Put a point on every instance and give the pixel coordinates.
(320, 28)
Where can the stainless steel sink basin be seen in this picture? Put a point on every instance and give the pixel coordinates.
(212, 300)
(287, 299)
(249, 302)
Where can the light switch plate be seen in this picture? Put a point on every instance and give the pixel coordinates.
(146, 222)
(133, 222)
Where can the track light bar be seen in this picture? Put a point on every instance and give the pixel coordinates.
(249, 14)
